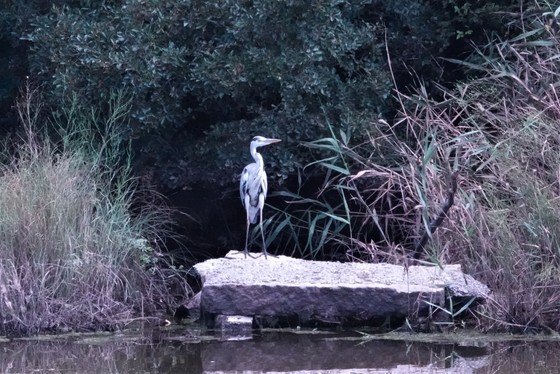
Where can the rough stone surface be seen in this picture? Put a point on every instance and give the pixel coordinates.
(314, 290)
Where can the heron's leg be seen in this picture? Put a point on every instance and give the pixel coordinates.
(248, 226)
(261, 205)
(262, 234)
(247, 235)
(247, 253)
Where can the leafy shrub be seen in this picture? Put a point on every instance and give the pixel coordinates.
(206, 76)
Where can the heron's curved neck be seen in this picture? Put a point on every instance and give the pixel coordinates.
(257, 157)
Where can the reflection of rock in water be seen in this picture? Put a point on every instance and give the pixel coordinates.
(185, 351)
(320, 353)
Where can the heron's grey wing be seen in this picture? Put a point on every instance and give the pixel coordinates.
(250, 183)
(264, 184)
(243, 184)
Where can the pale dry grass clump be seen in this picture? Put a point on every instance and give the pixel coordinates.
(72, 256)
(500, 133)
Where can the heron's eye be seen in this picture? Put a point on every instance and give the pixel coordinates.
(255, 138)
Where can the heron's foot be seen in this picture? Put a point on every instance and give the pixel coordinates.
(266, 254)
(247, 253)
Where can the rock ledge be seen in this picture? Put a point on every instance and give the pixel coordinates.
(328, 291)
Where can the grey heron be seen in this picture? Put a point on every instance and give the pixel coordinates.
(253, 187)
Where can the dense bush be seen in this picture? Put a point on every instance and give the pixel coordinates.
(206, 76)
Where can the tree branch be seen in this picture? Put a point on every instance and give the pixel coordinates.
(451, 190)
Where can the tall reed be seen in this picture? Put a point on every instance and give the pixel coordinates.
(73, 256)
(500, 133)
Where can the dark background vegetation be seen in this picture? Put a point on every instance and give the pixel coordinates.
(205, 76)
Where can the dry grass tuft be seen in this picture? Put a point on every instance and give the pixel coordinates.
(500, 133)
(72, 254)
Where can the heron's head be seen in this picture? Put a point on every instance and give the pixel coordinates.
(259, 141)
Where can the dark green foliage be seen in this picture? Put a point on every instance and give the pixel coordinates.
(208, 75)
(212, 74)
(15, 18)
(420, 33)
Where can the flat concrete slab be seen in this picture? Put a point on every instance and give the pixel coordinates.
(327, 291)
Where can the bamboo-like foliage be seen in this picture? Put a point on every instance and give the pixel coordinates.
(502, 128)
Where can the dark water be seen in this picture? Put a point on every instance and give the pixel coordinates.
(181, 351)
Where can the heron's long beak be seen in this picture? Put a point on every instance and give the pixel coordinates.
(272, 141)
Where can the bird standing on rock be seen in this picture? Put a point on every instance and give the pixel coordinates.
(254, 186)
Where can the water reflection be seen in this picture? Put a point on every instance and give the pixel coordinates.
(524, 357)
(323, 353)
(109, 357)
(176, 352)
